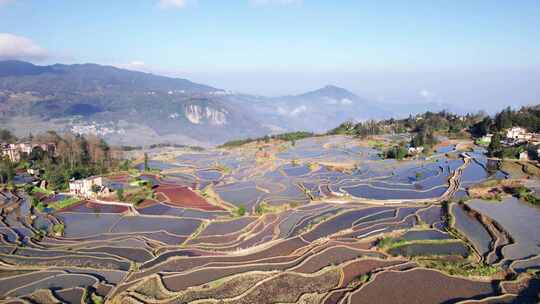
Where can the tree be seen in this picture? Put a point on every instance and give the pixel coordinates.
(495, 146)
(397, 152)
(124, 166)
(503, 120)
(241, 210)
(120, 194)
(37, 154)
(146, 167)
(7, 171)
(7, 136)
(481, 128)
(424, 137)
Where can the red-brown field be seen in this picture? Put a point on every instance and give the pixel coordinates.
(181, 196)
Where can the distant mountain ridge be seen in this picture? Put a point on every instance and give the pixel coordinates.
(17, 68)
(329, 91)
(130, 107)
(84, 77)
(124, 106)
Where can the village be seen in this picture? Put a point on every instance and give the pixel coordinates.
(514, 137)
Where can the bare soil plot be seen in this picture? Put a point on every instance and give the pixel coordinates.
(184, 197)
(356, 269)
(330, 256)
(70, 295)
(287, 288)
(422, 286)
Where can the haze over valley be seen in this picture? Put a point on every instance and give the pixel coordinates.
(135, 108)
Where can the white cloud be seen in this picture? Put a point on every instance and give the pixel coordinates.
(173, 3)
(343, 101)
(425, 93)
(299, 110)
(292, 112)
(274, 2)
(135, 65)
(346, 101)
(17, 47)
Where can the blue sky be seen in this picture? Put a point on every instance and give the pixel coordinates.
(275, 47)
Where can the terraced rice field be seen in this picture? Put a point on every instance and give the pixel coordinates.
(326, 221)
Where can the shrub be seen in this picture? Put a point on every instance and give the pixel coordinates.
(120, 194)
(97, 299)
(137, 200)
(40, 207)
(396, 152)
(59, 228)
(241, 210)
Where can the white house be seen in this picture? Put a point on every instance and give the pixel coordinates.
(415, 150)
(518, 133)
(85, 187)
(15, 151)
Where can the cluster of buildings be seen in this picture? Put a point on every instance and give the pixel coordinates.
(517, 136)
(95, 129)
(15, 152)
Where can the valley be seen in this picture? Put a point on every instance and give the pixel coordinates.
(323, 219)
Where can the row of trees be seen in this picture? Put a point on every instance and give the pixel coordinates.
(7, 168)
(424, 137)
(291, 136)
(75, 156)
(428, 122)
(526, 117)
(7, 171)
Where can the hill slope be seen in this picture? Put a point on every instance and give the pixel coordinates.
(128, 107)
(122, 105)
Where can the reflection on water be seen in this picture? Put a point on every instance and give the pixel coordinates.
(520, 219)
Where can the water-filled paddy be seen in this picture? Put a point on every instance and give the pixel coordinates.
(431, 249)
(472, 228)
(520, 219)
(314, 207)
(370, 192)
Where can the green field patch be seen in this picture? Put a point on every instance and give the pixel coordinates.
(65, 203)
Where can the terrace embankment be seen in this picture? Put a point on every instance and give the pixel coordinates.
(288, 234)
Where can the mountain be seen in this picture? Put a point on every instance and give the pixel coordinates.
(87, 78)
(318, 110)
(329, 92)
(129, 107)
(20, 68)
(124, 106)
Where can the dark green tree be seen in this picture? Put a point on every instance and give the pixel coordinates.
(482, 127)
(495, 146)
(146, 167)
(7, 136)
